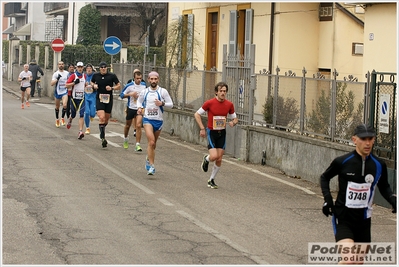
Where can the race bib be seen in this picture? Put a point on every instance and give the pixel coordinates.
(357, 195)
(104, 98)
(152, 112)
(88, 89)
(219, 122)
(78, 95)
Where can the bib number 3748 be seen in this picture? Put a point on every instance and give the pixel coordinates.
(357, 195)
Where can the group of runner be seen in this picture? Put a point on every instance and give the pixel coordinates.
(359, 172)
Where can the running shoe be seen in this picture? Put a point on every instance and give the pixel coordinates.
(126, 144)
(57, 123)
(81, 135)
(151, 170)
(134, 133)
(27, 104)
(69, 123)
(62, 122)
(87, 131)
(91, 118)
(211, 184)
(104, 142)
(22, 106)
(205, 163)
(138, 148)
(147, 164)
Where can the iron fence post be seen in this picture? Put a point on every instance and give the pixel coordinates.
(252, 86)
(224, 62)
(333, 117)
(184, 87)
(303, 95)
(275, 108)
(372, 97)
(203, 84)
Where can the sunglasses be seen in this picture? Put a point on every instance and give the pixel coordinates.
(103, 67)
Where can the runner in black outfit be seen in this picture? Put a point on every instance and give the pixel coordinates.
(359, 172)
(104, 83)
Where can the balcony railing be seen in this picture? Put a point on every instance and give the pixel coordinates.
(51, 7)
(13, 10)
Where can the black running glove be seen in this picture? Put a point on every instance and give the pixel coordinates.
(59, 76)
(24, 78)
(77, 81)
(328, 206)
(393, 203)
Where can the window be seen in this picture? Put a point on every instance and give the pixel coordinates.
(326, 12)
(240, 31)
(357, 49)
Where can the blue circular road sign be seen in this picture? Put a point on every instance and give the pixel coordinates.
(112, 45)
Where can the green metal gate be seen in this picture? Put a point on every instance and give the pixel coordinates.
(383, 116)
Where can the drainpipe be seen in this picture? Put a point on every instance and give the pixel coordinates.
(271, 39)
(73, 22)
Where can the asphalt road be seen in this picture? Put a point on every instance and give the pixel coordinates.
(69, 201)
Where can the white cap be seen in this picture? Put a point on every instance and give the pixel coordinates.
(80, 64)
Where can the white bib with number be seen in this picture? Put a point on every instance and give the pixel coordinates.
(357, 195)
(219, 122)
(88, 89)
(104, 98)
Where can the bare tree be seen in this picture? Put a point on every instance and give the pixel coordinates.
(143, 15)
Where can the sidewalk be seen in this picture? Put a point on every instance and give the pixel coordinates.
(13, 87)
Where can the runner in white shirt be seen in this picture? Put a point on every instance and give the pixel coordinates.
(151, 103)
(24, 78)
(132, 91)
(59, 80)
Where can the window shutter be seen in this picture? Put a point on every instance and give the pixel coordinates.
(249, 13)
(190, 41)
(233, 33)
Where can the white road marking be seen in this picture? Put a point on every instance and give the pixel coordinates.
(165, 202)
(221, 237)
(107, 135)
(127, 178)
(48, 106)
(249, 169)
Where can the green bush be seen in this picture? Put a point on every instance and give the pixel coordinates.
(287, 111)
(347, 117)
(87, 54)
(5, 51)
(89, 31)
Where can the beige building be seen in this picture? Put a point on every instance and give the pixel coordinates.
(320, 37)
(380, 37)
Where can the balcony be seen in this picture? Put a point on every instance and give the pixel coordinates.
(55, 8)
(13, 10)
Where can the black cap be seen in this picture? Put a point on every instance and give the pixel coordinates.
(103, 64)
(364, 130)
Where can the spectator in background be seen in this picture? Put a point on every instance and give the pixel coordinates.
(34, 68)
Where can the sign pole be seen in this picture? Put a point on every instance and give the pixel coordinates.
(112, 62)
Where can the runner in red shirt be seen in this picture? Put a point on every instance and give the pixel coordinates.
(219, 110)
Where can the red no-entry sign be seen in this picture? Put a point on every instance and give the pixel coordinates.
(57, 45)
